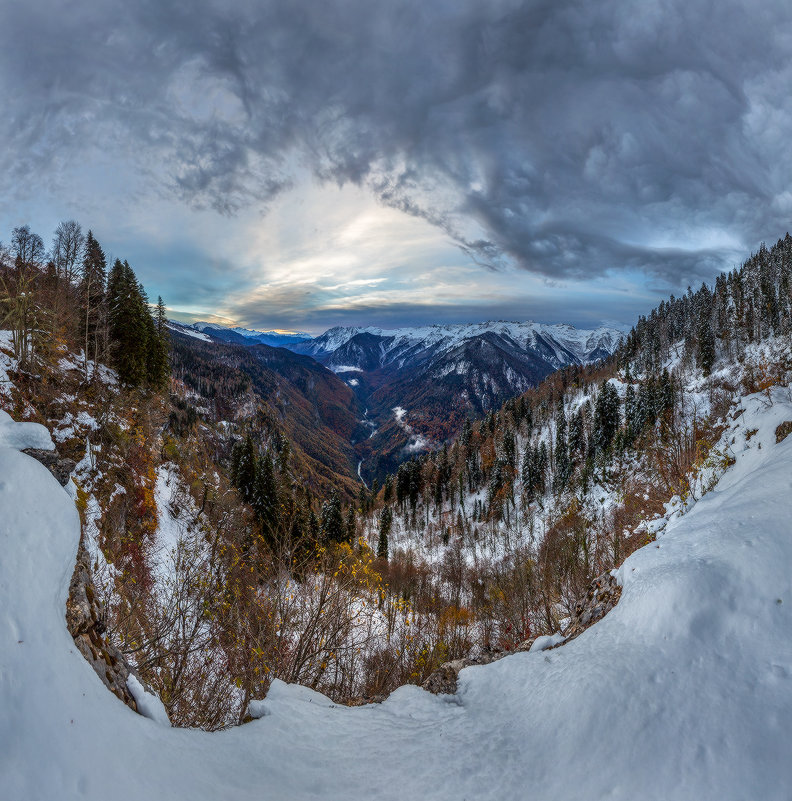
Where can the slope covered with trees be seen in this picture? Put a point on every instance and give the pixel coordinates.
(507, 526)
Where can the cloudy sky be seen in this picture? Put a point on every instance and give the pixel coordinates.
(304, 163)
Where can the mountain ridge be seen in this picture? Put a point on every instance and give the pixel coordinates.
(576, 343)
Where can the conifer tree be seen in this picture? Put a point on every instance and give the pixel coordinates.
(158, 361)
(562, 465)
(92, 292)
(351, 526)
(606, 417)
(244, 467)
(313, 526)
(577, 435)
(385, 522)
(333, 529)
(265, 497)
(706, 346)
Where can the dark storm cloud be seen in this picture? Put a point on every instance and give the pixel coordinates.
(566, 138)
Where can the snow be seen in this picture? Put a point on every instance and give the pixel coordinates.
(148, 704)
(170, 531)
(188, 331)
(250, 333)
(546, 641)
(23, 435)
(440, 338)
(345, 368)
(683, 691)
(417, 442)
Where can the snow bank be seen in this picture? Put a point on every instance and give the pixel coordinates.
(148, 705)
(546, 641)
(684, 691)
(23, 435)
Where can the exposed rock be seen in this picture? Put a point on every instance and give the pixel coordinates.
(603, 594)
(85, 621)
(443, 681)
(59, 467)
(363, 700)
(783, 430)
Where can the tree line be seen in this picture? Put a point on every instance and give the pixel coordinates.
(64, 297)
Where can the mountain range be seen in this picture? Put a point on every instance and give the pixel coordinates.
(244, 336)
(417, 385)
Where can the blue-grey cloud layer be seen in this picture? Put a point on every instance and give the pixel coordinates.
(567, 139)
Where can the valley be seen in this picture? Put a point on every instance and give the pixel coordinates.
(348, 523)
(438, 376)
(395, 401)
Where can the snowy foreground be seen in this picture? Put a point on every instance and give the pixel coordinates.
(684, 691)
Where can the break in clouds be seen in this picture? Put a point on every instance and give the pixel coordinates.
(570, 140)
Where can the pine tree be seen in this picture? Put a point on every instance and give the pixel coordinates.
(92, 294)
(333, 529)
(606, 417)
(385, 522)
(265, 497)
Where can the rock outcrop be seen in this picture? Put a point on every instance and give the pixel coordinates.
(603, 594)
(443, 681)
(84, 619)
(783, 431)
(60, 467)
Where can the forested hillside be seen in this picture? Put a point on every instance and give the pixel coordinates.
(512, 522)
(272, 392)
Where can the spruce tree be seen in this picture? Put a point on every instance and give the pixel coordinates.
(606, 417)
(130, 326)
(706, 346)
(332, 520)
(92, 297)
(245, 469)
(562, 466)
(385, 522)
(265, 497)
(351, 526)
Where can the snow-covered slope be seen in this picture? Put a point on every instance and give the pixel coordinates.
(187, 330)
(684, 691)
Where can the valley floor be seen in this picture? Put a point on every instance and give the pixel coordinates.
(684, 691)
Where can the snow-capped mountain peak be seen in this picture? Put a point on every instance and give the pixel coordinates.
(568, 344)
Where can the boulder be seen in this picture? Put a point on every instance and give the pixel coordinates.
(59, 467)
